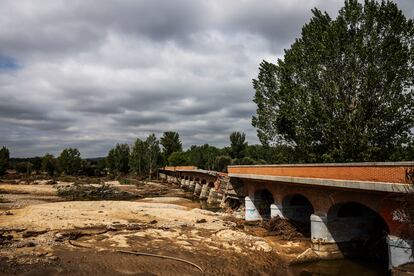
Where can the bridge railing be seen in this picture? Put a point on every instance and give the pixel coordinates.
(387, 172)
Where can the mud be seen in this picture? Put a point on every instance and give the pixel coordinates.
(46, 235)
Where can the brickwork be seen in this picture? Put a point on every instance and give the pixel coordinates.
(322, 199)
(377, 173)
(180, 168)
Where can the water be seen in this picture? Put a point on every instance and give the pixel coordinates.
(339, 267)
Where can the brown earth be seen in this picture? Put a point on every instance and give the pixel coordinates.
(41, 234)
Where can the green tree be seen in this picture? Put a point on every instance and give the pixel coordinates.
(153, 153)
(238, 144)
(24, 167)
(121, 158)
(137, 158)
(4, 160)
(202, 157)
(110, 161)
(49, 164)
(170, 142)
(178, 159)
(222, 162)
(70, 161)
(343, 90)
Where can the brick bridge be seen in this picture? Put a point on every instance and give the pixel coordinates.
(345, 205)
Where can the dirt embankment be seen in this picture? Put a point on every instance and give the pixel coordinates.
(57, 237)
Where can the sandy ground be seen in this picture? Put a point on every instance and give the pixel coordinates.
(40, 234)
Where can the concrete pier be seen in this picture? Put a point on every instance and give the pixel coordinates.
(205, 191)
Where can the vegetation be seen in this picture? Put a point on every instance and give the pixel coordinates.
(178, 159)
(343, 91)
(238, 144)
(170, 142)
(49, 165)
(4, 160)
(137, 160)
(70, 161)
(121, 158)
(93, 192)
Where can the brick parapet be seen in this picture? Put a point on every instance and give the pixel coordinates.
(399, 172)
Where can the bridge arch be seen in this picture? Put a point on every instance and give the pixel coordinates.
(263, 199)
(359, 231)
(203, 181)
(211, 184)
(297, 207)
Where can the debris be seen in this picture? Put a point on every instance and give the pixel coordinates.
(93, 192)
(28, 234)
(306, 256)
(287, 229)
(162, 256)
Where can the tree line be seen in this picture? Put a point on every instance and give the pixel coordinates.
(144, 156)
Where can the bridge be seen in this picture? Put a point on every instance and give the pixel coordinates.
(345, 205)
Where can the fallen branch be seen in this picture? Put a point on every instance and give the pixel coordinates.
(161, 256)
(78, 244)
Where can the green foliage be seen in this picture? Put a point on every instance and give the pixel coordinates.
(88, 168)
(121, 158)
(146, 156)
(137, 158)
(24, 167)
(343, 90)
(4, 160)
(170, 142)
(244, 161)
(153, 153)
(203, 157)
(49, 164)
(110, 161)
(238, 144)
(70, 161)
(178, 159)
(221, 163)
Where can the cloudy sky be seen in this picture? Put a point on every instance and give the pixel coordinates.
(89, 74)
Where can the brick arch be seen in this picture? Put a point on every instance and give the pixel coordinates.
(341, 197)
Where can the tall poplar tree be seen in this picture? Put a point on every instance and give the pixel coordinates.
(343, 91)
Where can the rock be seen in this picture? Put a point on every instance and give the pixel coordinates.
(25, 244)
(201, 221)
(307, 256)
(262, 246)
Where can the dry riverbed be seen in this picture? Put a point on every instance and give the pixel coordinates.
(44, 234)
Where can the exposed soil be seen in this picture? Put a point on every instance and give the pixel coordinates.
(44, 234)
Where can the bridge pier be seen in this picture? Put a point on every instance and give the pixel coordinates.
(205, 191)
(251, 211)
(191, 186)
(400, 251)
(214, 197)
(197, 189)
(276, 210)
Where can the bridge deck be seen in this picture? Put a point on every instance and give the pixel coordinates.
(386, 177)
